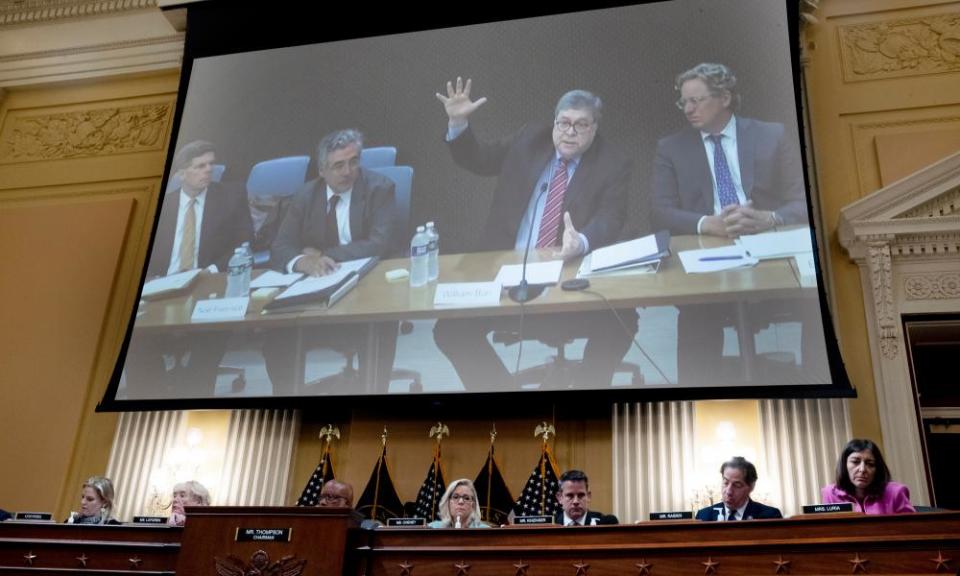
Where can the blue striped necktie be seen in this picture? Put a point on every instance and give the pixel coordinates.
(721, 170)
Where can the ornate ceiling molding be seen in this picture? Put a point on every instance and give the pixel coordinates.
(35, 11)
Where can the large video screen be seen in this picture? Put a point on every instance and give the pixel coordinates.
(616, 202)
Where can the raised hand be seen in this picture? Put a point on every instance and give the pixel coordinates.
(457, 102)
(572, 245)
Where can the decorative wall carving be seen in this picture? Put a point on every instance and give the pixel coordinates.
(30, 11)
(881, 275)
(895, 48)
(927, 245)
(932, 286)
(943, 205)
(85, 133)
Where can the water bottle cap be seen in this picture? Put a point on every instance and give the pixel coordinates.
(420, 229)
(430, 224)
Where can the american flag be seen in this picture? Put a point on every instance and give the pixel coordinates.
(428, 499)
(323, 474)
(495, 498)
(539, 496)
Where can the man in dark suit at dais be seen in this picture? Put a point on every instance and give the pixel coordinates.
(574, 497)
(738, 479)
(561, 188)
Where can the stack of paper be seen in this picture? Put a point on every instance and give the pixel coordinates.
(171, 283)
(538, 273)
(777, 244)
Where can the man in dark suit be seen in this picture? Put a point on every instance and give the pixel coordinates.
(574, 498)
(345, 214)
(739, 479)
(563, 187)
(725, 175)
(200, 225)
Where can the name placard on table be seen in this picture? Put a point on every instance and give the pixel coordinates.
(533, 520)
(220, 309)
(149, 519)
(683, 515)
(34, 516)
(406, 522)
(263, 534)
(828, 508)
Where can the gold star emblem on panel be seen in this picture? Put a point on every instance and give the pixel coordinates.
(782, 565)
(29, 557)
(82, 559)
(859, 564)
(521, 568)
(581, 568)
(710, 566)
(405, 568)
(941, 561)
(643, 567)
(463, 569)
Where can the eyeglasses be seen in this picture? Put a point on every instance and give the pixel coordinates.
(331, 498)
(579, 127)
(695, 100)
(462, 498)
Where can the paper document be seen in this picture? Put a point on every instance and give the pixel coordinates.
(272, 278)
(312, 284)
(586, 269)
(170, 283)
(466, 294)
(716, 259)
(537, 273)
(625, 253)
(777, 244)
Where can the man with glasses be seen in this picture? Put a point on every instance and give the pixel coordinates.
(561, 188)
(345, 214)
(336, 494)
(574, 498)
(724, 175)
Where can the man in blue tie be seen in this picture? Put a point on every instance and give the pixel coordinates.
(724, 175)
(738, 479)
(562, 190)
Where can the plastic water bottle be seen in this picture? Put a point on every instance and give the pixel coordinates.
(238, 275)
(433, 252)
(248, 252)
(418, 258)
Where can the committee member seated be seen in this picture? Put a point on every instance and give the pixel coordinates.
(200, 226)
(563, 187)
(738, 479)
(863, 479)
(345, 214)
(459, 507)
(190, 493)
(96, 503)
(725, 175)
(336, 494)
(574, 498)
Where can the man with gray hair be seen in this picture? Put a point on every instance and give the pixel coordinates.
(561, 188)
(345, 214)
(738, 479)
(726, 175)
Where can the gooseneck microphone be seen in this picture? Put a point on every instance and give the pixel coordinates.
(524, 292)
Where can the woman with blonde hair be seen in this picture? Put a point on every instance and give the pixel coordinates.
(96, 503)
(459, 507)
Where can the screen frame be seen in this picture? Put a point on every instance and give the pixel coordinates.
(288, 24)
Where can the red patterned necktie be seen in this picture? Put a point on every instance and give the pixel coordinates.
(552, 212)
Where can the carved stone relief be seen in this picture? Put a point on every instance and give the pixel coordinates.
(881, 274)
(895, 48)
(29, 11)
(85, 133)
(932, 286)
(943, 205)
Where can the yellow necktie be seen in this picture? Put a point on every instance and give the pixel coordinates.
(188, 237)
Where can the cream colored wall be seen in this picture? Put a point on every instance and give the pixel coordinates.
(80, 168)
(884, 92)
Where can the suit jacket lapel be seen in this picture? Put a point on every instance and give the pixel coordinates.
(358, 199)
(745, 152)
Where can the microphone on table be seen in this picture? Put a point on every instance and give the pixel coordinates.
(524, 292)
